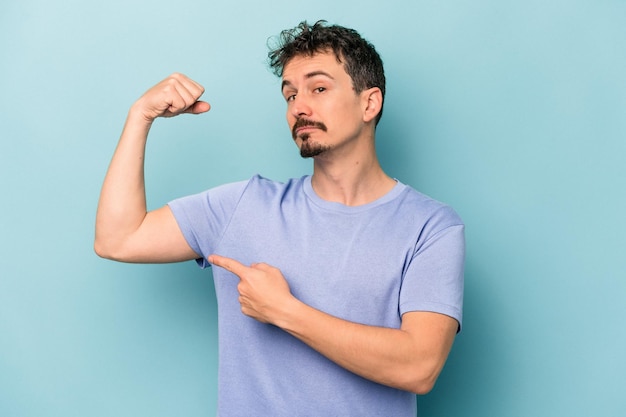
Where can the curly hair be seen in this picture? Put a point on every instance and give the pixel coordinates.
(359, 57)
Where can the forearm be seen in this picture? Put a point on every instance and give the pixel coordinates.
(409, 358)
(122, 204)
(393, 357)
(125, 231)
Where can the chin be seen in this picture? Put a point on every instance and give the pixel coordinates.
(309, 150)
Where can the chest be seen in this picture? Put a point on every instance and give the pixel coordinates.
(348, 266)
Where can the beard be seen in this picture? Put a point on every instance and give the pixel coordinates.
(309, 148)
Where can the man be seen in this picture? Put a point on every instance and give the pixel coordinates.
(339, 293)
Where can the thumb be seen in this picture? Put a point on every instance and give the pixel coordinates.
(199, 107)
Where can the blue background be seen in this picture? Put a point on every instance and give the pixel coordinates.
(512, 112)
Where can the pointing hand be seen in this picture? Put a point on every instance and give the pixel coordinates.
(263, 290)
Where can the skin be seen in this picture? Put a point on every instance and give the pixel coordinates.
(319, 89)
(125, 231)
(345, 170)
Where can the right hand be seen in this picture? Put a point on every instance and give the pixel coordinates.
(174, 95)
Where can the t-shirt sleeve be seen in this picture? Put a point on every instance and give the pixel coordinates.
(203, 217)
(434, 278)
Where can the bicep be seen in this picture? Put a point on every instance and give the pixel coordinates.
(158, 240)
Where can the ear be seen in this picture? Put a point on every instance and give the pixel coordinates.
(372, 100)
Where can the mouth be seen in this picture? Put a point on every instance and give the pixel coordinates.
(303, 127)
(304, 132)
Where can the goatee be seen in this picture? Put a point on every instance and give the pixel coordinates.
(308, 148)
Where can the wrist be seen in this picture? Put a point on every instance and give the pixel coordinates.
(137, 114)
(290, 315)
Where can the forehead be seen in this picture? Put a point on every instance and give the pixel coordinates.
(304, 65)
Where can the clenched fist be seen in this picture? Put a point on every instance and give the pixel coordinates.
(174, 95)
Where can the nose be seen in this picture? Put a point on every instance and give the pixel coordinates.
(299, 107)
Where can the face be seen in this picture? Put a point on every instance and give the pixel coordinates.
(324, 112)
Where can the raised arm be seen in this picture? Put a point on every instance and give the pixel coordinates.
(125, 230)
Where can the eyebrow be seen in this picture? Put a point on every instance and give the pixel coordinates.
(311, 74)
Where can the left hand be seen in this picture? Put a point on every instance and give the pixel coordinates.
(263, 290)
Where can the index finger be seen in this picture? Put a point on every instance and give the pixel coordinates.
(228, 264)
(193, 86)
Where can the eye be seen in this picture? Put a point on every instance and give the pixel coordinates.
(291, 97)
(320, 89)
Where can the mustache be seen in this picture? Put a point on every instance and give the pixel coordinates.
(306, 122)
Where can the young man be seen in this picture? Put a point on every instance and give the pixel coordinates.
(339, 293)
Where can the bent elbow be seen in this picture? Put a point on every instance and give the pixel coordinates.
(422, 381)
(423, 387)
(106, 249)
(101, 249)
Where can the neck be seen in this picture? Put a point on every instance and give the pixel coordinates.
(353, 180)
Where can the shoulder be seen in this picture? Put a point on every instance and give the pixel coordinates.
(267, 183)
(255, 184)
(230, 195)
(266, 188)
(428, 208)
